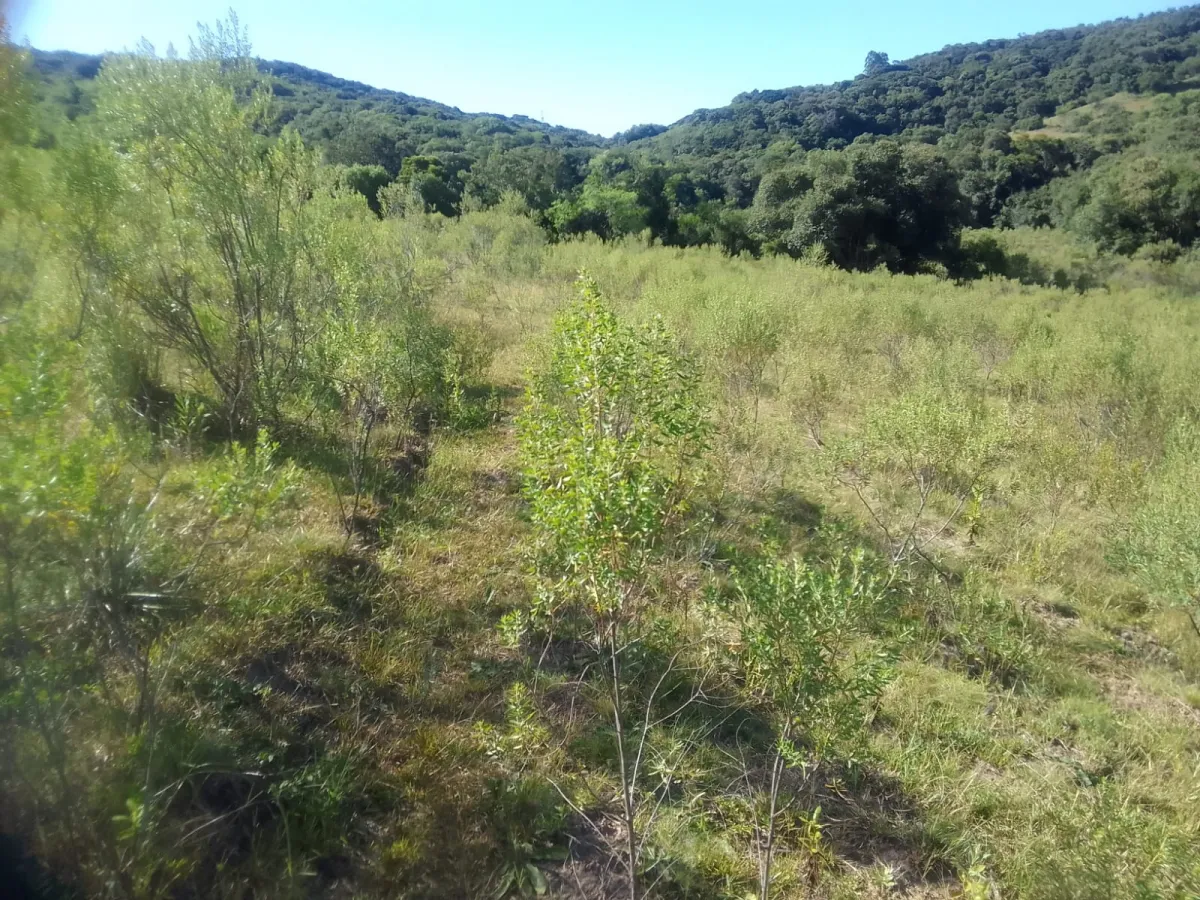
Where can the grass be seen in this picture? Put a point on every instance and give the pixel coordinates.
(1041, 739)
(1074, 122)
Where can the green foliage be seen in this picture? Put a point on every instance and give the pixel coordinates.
(207, 688)
(530, 817)
(1008, 83)
(367, 180)
(608, 211)
(16, 123)
(612, 439)
(1137, 201)
(425, 185)
(804, 645)
(744, 337)
(984, 106)
(612, 436)
(216, 220)
(1050, 257)
(925, 447)
(1162, 544)
(249, 485)
(57, 496)
(881, 204)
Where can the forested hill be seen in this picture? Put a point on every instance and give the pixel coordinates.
(1004, 84)
(1088, 130)
(328, 109)
(353, 122)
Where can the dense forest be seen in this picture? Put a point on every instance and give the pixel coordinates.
(886, 169)
(797, 501)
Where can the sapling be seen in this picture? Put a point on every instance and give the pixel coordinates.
(746, 336)
(805, 648)
(918, 456)
(613, 436)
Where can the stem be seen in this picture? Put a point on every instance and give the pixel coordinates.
(768, 851)
(626, 781)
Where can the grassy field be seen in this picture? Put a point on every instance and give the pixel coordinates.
(338, 717)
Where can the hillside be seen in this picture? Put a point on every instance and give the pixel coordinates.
(356, 124)
(998, 84)
(324, 107)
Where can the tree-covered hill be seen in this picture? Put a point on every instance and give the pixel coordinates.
(885, 169)
(329, 110)
(355, 123)
(996, 84)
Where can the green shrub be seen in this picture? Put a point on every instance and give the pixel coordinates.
(612, 441)
(809, 661)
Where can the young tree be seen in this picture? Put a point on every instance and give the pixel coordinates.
(612, 440)
(214, 219)
(810, 663)
(919, 461)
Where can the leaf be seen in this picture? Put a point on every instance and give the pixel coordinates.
(538, 879)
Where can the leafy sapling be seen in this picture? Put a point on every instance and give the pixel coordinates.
(613, 438)
(804, 644)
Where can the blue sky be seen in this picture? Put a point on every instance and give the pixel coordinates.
(599, 66)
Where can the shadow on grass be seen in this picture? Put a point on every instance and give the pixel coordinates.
(868, 819)
(24, 877)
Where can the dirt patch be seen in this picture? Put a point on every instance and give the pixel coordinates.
(591, 870)
(409, 460)
(1145, 645)
(496, 481)
(1127, 694)
(1056, 614)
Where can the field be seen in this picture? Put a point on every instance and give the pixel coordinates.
(339, 713)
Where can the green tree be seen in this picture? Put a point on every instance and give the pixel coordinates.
(610, 212)
(875, 63)
(369, 138)
(882, 203)
(366, 180)
(16, 124)
(215, 219)
(1137, 200)
(612, 437)
(809, 661)
(539, 174)
(424, 185)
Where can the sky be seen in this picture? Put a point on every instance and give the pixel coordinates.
(602, 67)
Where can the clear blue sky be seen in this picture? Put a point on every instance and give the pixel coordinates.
(599, 66)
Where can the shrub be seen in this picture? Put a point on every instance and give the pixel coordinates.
(809, 662)
(1161, 543)
(612, 438)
